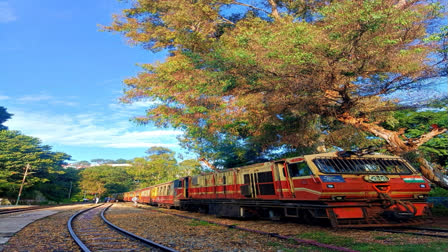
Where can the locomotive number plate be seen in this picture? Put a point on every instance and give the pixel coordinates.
(376, 178)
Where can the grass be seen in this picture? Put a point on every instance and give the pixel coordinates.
(347, 242)
(195, 223)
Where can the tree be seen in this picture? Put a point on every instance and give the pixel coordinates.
(61, 185)
(160, 166)
(416, 123)
(4, 116)
(104, 179)
(285, 73)
(16, 151)
(82, 163)
(189, 167)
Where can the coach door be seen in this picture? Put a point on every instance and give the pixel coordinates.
(249, 185)
(185, 182)
(259, 184)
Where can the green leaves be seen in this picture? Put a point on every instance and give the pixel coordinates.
(16, 151)
(418, 123)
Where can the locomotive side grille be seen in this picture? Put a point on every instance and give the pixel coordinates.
(332, 165)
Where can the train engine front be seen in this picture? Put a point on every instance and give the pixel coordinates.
(369, 190)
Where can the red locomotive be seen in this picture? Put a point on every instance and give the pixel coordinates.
(347, 190)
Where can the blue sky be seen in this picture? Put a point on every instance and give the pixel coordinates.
(61, 78)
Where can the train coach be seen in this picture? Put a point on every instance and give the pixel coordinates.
(346, 190)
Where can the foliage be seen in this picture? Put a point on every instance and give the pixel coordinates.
(160, 166)
(278, 77)
(438, 192)
(16, 151)
(108, 161)
(104, 179)
(418, 123)
(61, 186)
(4, 116)
(82, 163)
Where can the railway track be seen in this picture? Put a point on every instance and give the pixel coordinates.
(419, 231)
(22, 209)
(93, 232)
(282, 237)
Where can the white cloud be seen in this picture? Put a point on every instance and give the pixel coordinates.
(140, 145)
(4, 97)
(35, 98)
(90, 129)
(6, 13)
(48, 99)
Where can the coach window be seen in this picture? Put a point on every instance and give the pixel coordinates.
(194, 181)
(299, 169)
(246, 179)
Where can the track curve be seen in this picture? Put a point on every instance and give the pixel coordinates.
(96, 233)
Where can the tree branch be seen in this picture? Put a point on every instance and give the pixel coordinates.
(274, 9)
(250, 6)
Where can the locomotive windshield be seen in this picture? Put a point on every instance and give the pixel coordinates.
(362, 166)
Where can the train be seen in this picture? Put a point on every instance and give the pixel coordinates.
(343, 189)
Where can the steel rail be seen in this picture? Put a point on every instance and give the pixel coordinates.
(431, 229)
(17, 210)
(413, 233)
(78, 241)
(132, 235)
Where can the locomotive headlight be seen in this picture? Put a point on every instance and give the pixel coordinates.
(337, 198)
(422, 186)
(330, 186)
(420, 196)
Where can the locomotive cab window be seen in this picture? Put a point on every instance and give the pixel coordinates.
(299, 169)
(362, 166)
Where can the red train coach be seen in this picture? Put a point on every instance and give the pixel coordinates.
(349, 191)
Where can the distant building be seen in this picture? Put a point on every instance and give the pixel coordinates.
(115, 165)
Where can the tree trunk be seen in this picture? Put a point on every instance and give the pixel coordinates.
(434, 174)
(208, 164)
(402, 145)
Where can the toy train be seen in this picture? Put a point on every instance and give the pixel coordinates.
(344, 190)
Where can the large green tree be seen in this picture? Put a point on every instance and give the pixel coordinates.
(160, 166)
(18, 150)
(284, 73)
(104, 179)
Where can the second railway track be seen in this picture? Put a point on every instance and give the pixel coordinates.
(419, 231)
(93, 232)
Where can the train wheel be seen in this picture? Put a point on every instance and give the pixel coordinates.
(306, 217)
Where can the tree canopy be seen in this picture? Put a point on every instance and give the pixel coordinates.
(284, 74)
(18, 150)
(159, 166)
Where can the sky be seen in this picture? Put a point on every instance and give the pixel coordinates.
(61, 78)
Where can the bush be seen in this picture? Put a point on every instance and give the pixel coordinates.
(438, 192)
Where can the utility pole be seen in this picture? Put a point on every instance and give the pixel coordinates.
(23, 182)
(70, 190)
